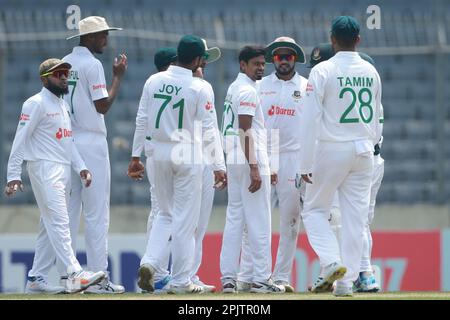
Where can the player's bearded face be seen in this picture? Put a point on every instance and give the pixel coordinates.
(284, 67)
(57, 86)
(284, 61)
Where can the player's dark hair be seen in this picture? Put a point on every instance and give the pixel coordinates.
(187, 58)
(250, 52)
(345, 41)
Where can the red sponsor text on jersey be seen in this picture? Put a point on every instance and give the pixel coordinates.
(268, 93)
(276, 110)
(309, 87)
(208, 106)
(54, 114)
(63, 133)
(98, 86)
(247, 104)
(24, 117)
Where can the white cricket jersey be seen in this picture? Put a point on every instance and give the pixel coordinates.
(44, 133)
(209, 122)
(243, 99)
(86, 84)
(343, 103)
(281, 104)
(212, 139)
(176, 107)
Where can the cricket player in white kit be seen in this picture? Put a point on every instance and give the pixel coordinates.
(176, 107)
(366, 281)
(44, 139)
(164, 57)
(342, 111)
(245, 142)
(208, 187)
(89, 100)
(281, 94)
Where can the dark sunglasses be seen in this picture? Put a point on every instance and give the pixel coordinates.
(57, 73)
(281, 57)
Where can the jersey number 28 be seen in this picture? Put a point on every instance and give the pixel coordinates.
(363, 103)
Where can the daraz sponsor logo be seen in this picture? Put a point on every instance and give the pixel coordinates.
(63, 133)
(276, 110)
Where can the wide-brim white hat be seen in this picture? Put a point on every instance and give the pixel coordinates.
(92, 24)
(285, 43)
(212, 53)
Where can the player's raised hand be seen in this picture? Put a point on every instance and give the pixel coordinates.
(12, 187)
(86, 177)
(120, 65)
(136, 169)
(220, 179)
(255, 178)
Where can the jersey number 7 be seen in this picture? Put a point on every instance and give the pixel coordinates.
(74, 85)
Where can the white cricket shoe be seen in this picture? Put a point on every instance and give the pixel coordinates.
(38, 285)
(243, 286)
(81, 280)
(190, 289)
(343, 291)
(105, 287)
(208, 288)
(146, 280)
(266, 287)
(366, 282)
(330, 273)
(287, 286)
(229, 286)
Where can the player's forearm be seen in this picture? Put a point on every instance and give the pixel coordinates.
(248, 146)
(17, 155)
(104, 107)
(309, 133)
(78, 164)
(138, 143)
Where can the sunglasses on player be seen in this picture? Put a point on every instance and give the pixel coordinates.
(57, 73)
(281, 57)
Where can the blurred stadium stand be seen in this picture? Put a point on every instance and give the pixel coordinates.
(410, 51)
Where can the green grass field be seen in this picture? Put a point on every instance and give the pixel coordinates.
(219, 296)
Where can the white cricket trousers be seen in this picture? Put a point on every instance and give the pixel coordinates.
(377, 177)
(50, 181)
(253, 211)
(162, 231)
(338, 166)
(289, 207)
(288, 197)
(335, 214)
(178, 189)
(205, 213)
(94, 201)
(158, 230)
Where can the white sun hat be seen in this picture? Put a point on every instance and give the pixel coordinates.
(92, 24)
(285, 43)
(213, 53)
